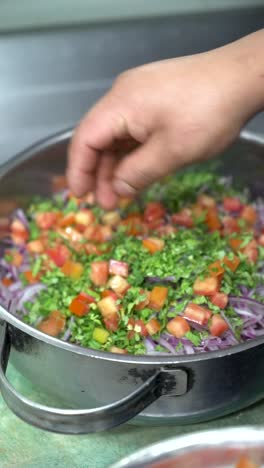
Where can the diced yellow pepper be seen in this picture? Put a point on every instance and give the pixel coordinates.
(72, 269)
(100, 335)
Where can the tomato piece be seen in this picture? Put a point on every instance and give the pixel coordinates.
(249, 214)
(230, 225)
(232, 264)
(54, 324)
(154, 211)
(84, 217)
(207, 286)
(245, 462)
(232, 204)
(107, 306)
(59, 254)
(98, 233)
(183, 218)
(99, 273)
(152, 244)
(137, 326)
(119, 285)
(205, 201)
(197, 313)
(118, 268)
(235, 243)
(251, 251)
(67, 220)
(153, 326)
(261, 240)
(142, 304)
(87, 298)
(216, 269)
(30, 278)
(220, 300)
(178, 327)
(115, 349)
(7, 281)
(92, 249)
(46, 220)
(72, 269)
(78, 307)
(35, 246)
(212, 220)
(218, 325)
(158, 297)
(109, 293)
(134, 224)
(71, 234)
(166, 229)
(19, 233)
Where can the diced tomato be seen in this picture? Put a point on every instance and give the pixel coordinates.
(137, 326)
(142, 304)
(46, 220)
(59, 254)
(109, 293)
(99, 273)
(71, 234)
(153, 326)
(235, 243)
(19, 238)
(17, 226)
(218, 325)
(212, 220)
(7, 281)
(246, 462)
(118, 268)
(249, 214)
(261, 240)
(154, 211)
(205, 201)
(216, 269)
(35, 246)
(115, 349)
(78, 307)
(87, 298)
(30, 278)
(111, 218)
(107, 306)
(166, 229)
(178, 327)
(197, 313)
(85, 217)
(207, 286)
(134, 224)
(92, 249)
(220, 300)
(98, 233)
(230, 225)
(119, 285)
(232, 204)
(19, 233)
(54, 324)
(72, 269)
(158, 297)
(16, 258)
(111, 323)
(183, 218)
(232, 264)
(152, 244)
(67, 220)
(251, 251)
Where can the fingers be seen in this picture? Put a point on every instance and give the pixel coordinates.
(105, 195)
(97, 132)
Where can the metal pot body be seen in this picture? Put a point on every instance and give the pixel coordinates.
(180, 390)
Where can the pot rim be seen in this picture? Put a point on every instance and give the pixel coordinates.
(129, 359)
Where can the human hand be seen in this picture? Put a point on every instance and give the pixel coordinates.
(162, 116)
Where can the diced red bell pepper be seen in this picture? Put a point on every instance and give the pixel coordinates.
(232, 264)
(249, 214)
(99, 273)
(183, 218)
(72, 269)
(205, 201)
(153, 326)
(78, 307)
(144, 303)
(220, 300)
(218, 325)
(118, 268)
(178, 327)
(152, 244)
(232, 204)
(154, 211)
(197, 313)
(212, 220)
(46, 220)
(216, 269)
(87, 298)
(109, 293)
(54, 324)
(230, 225)
(207, 286)
(158, 297)
(235, 243)
(59, 254)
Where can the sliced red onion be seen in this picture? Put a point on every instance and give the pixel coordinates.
(28, 293)
(157, 279)
(19, 214)
(68, 332)
(150, 345)
(165, 344)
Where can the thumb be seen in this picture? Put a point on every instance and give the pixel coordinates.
(142, 167)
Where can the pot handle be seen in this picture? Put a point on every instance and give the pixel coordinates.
(84, 421)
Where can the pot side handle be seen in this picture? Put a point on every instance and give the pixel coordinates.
(82, 421)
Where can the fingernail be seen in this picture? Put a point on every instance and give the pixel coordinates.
(123, 188)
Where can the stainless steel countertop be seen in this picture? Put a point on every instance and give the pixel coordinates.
(48, 79)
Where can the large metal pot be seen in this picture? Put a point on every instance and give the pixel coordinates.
(110, 389)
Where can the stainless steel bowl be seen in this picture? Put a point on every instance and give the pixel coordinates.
(110, 389)
(212, 449)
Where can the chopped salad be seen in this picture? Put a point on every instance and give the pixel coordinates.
(177, 271)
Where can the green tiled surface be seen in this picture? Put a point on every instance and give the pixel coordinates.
(28, 447)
